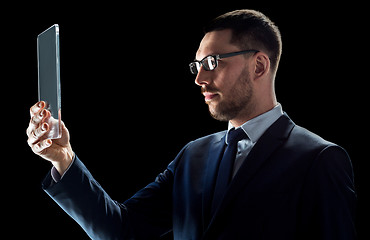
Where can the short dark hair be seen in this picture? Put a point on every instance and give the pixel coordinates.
(251, 30)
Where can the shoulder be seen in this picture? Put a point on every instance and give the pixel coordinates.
(203, 143)
(198, 149)
(206, 140)
(214, 137)
(307, 143)
(325, 159)
(304, 139)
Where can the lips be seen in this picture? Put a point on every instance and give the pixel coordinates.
(208, 96)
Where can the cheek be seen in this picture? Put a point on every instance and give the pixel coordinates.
(228, 82)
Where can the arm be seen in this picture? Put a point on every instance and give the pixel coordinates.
(147, 215)
(330, 197)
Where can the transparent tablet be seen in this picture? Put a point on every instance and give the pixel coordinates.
(49, 77)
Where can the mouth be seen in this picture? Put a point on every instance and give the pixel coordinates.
(208, 96)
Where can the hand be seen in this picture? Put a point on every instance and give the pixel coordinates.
(57, 151)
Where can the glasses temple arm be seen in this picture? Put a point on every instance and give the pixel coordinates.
(226, 55)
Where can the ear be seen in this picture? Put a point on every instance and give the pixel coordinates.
(262, 65)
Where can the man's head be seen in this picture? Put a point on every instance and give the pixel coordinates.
(250, 30)
(241, 86)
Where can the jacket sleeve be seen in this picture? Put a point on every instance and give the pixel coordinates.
(146, 215)
(330, 198)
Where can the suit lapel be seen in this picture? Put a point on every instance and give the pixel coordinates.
(214, 157)
(265, 146)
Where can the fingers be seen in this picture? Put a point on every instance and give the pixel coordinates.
(37, 107)
(37, 112)
(41, 146)
(37, 134)
(37, 119)
(38, 126)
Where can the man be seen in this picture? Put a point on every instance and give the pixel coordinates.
(263, 178)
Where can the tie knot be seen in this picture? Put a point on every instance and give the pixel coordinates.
(235, 136)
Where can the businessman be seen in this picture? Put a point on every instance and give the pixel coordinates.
(262, 178)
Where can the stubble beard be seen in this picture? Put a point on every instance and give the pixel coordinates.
(239, 102)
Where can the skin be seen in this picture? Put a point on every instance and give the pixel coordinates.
(239, 89)
(57, 151)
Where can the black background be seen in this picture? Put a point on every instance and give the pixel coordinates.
(130, 102)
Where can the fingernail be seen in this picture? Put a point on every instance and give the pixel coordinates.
(42, 113)
(48, 142)
(44, 127)
(41, 104)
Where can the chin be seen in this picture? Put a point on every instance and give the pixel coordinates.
(219, 115)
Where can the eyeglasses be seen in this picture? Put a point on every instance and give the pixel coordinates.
(210, 62)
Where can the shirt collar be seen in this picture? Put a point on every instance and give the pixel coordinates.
(255, 127)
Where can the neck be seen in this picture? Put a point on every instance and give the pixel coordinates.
(264, 100)
(245, 116)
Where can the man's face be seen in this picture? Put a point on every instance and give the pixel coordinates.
(227, 89)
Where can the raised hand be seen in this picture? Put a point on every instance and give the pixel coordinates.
(57, 151)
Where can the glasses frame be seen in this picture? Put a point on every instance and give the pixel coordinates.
(216, 58)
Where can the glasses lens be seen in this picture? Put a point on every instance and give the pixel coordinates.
(194, 67)
(209, 63)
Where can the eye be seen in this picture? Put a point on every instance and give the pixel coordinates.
(210, 63)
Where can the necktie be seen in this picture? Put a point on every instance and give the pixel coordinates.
(226, 166)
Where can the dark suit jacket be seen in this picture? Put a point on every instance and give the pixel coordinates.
(293, 185)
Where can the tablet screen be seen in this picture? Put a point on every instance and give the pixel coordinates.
(49, 77)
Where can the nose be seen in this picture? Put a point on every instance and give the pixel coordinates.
(203, 77)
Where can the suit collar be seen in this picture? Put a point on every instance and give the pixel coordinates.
(273, 138)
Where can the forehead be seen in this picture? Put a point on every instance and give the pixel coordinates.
(216, 42)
